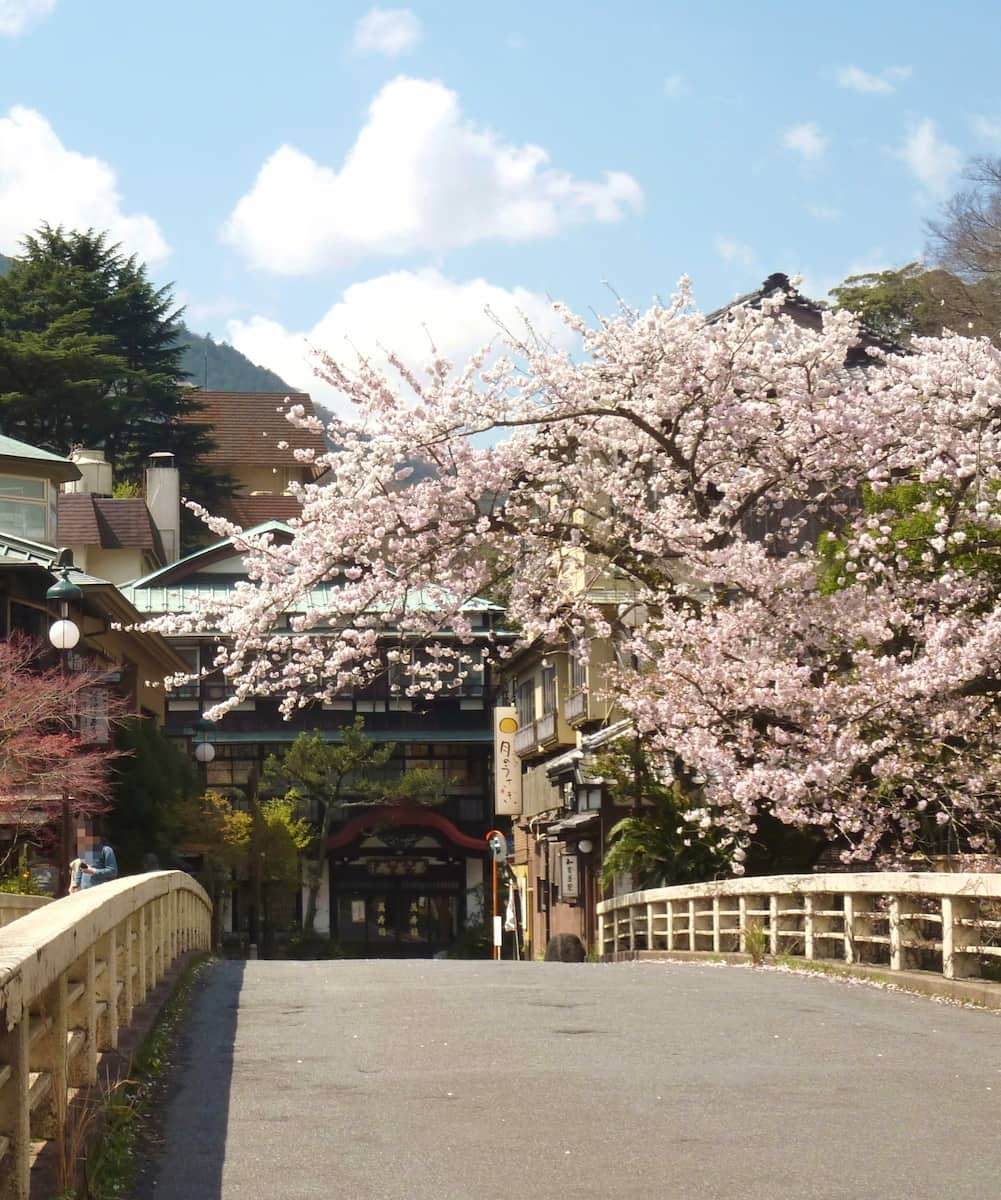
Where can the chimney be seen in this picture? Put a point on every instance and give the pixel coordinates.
(163, 499)
(95, 473)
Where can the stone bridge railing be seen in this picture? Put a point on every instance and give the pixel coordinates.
(945, 923)
(71, 974)
(13, 906)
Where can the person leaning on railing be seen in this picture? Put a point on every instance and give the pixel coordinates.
(96, 863)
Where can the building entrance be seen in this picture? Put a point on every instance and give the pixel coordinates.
(396, 920)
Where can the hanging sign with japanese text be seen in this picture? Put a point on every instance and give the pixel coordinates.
(507, 764)
(569, 877)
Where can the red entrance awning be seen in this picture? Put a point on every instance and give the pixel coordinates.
(392, 814)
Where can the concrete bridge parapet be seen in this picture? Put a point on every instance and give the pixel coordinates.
(945, 923)
(71, 974)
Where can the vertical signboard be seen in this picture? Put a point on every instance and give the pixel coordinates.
(569, 877)
(507, 764)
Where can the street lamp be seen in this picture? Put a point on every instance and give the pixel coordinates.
(64, 635)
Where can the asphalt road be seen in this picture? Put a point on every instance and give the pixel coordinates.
(423, 1080)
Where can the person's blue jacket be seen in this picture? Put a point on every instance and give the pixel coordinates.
(105, 867)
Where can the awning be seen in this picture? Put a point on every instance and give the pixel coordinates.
(571, 826)
(563, 763)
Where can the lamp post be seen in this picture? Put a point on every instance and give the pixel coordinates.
(64, 634)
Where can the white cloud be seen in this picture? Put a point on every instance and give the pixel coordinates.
(731, 251)
(41, 180)
(17, 15)
(857, 80)
(420, 176)
(675, 86)
(389, 31)
(933, 161)
(401, 312)
(988, 129)
(806, 139)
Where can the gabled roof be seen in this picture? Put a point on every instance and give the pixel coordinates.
(197, 559)
(805, 311)
(173, 589)
(247, 427)
(112, 524)
(100, 596)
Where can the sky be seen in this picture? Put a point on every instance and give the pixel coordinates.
(373, 179)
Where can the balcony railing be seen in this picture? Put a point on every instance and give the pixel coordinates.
(525, 740)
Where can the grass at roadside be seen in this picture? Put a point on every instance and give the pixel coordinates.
(126, 1112)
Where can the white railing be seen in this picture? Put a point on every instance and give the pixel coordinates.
(575, 706)
(946, 923)
(71, 975)
(13, 905)
(525, 740)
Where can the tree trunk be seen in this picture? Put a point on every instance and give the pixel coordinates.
(314, 873)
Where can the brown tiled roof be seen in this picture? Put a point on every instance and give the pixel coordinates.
(111, 524)
(248, 511)
(247, 427)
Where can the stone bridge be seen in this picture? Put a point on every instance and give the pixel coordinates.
(427, 1080)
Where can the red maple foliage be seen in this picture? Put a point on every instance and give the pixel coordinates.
(42, 755)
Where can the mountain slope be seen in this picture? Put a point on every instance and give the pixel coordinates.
(218, 367)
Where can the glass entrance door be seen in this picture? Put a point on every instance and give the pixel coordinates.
(396, 922)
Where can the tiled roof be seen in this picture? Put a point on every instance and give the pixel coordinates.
(247, 427)
(805, 311)
(111, 524)
(248, 511)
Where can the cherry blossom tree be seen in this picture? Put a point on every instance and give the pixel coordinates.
(41, 758)
(722, 496)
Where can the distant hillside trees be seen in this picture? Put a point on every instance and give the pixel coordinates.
(90, 355)
(218, 367)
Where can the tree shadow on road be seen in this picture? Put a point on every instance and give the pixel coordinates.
(194, 1114)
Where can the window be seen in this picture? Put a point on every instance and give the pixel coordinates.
(578, 671)
(187, 691)
(548, 690)
(524, 702)
(25, 506)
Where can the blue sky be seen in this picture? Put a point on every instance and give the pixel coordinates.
(365, 177)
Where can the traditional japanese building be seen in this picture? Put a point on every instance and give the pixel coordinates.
(399, 879)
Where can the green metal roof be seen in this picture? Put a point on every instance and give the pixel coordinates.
(15, 551)
(12, 448)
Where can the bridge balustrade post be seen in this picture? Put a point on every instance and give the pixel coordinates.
(650, 935)
(107, 993)
(83, 1016)
(958, 958)
(15, 1122)
(128, 971)
(47, 1056)
(122, 958)
(818, 925)
(669, 923)
(143, 959)
(692, 942)
(905, 931)
(156, 933)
